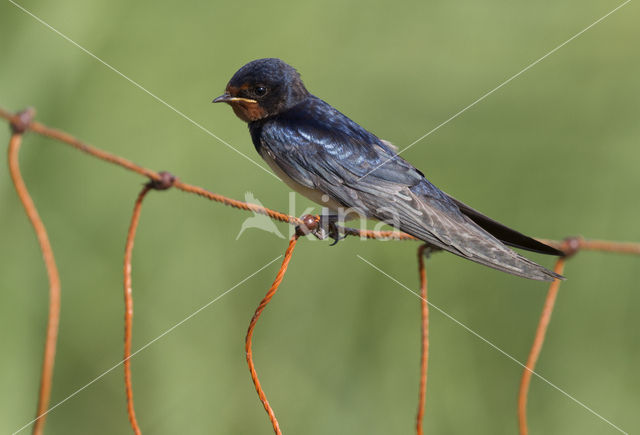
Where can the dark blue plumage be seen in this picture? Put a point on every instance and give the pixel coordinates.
(319, 151)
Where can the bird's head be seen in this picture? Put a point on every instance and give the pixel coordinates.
(263, 88)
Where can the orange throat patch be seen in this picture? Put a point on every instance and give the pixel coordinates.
(248, 111)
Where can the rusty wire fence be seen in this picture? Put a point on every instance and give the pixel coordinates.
(22, 122)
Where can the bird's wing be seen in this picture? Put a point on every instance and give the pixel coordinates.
(324, 150)
(505, 234)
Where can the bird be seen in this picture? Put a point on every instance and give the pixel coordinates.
(325, 156)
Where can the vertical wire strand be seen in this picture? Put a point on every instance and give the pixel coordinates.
(48, 360)
(536, 348)
(424, 354)
(128, 311)
(252, 324)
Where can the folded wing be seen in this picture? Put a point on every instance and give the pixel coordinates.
(338, 157)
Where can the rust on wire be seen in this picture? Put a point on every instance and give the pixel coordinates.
(237, 204)
(309, 224)
(588, 245)
(570, 246)
(252, 325)
(166, 181)
(20, 123)
(424, 338)
(377, 235)
(536, 348)
(128, 302)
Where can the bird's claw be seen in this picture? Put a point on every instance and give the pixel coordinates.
(321, 233)
(330, 231)
(336, 236)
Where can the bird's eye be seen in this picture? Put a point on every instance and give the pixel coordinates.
(260, 91)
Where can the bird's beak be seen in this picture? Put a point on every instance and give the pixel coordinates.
(227, 98)
(224, 98)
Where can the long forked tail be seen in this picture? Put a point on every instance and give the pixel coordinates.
(467, 239)
(506, 235)
(516, 264)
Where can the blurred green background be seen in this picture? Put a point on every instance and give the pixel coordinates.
(553, 153)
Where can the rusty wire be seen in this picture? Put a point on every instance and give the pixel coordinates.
(153, 175)
(570, 246)
(22, 122)
(128, 306)
(536, 347)
(247, 343)
(424, 338)
(53, 317)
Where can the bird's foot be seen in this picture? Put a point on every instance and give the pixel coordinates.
(334, 233)
(328, 228)
(329, 231)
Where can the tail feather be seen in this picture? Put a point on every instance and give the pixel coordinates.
(505, 259)
(462, 236)
(505, 234)
(520, 266)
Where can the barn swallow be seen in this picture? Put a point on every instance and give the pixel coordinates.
(327, 157)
